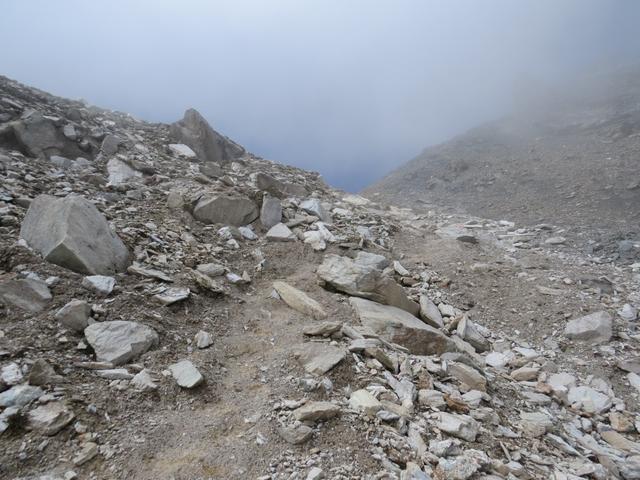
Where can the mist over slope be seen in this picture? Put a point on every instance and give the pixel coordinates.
(570, 158)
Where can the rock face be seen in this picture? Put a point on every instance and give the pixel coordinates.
(398, 326)
(300, 301)
(195, 132)
(593, 329)
(352, 278)
(227, 210)
(72, 233)
(120, 341)
(25, 293)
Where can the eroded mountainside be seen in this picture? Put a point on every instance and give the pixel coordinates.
(571, 159)
(172, 306)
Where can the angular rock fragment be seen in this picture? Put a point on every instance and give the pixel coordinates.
(314, 411)
(363, 401)
(313, 206)
(461, 426)
(50, 418)
(19, 396)
(119, 341)
(300, 301)
(143, 381)
(100, 284)
(296, 435)
(271, 212)
(593, 329)
(121, 172)
(278, 188)
(345, 275)
(400, 327)
(74, 315)
(429, 312)
(172, 295)
(228, 210)
(280, 233)
(318, 358)
(42, 373)
(26, 294)
(469, 333)
(203, 339)
(182, 150)
(72, 233)
(186, 374)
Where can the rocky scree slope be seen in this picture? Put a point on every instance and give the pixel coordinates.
(572, 161)
(176, 307)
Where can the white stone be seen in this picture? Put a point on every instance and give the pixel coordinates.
(203, 339)
(280, 233)
(182, 150)
(119, 341)
(100, 284)
(186, 374)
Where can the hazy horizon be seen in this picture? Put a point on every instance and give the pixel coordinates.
(350, 90)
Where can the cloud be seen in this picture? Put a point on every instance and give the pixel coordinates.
(350, 89)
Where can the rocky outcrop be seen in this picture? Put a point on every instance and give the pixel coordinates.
(72, 233)
(195, 132)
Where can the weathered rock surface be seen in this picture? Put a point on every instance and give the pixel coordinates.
(74, 315)
(398, 326)
(271, 212)
(49, 419)
(318, 358)
(72, 233)
(26, 293)
(280, 233)
(119, 341)
(593, 329)
(228, 210)
(429, 312)
(186, 374)
(345, 275)
(314, 411)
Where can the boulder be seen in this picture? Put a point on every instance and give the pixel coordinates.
(300, 301)
(37, 135)
(352, 278)
(271, 212)
(235, 211)
(194, 131)
(119, 341)
(593, 329)
(26, 294)
(398, 326)
(72, 233)
(373, 260)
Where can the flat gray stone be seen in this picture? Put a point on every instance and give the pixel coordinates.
(227, 210)
(296, 435)
(314, 411)
(120, 341)
(186, 374)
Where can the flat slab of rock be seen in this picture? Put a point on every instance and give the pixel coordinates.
(172, 295)
(280, 233)
(593, 329)
(72, 233)
(314, 411)
(318, 358)
(360, 280)
(19, 395)
(120, 341)
(50, 418)
(429, 312)
(26, 294)
(398, 326)
(228, 210)
(461, 426)
(186, 374)
(300, 301)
